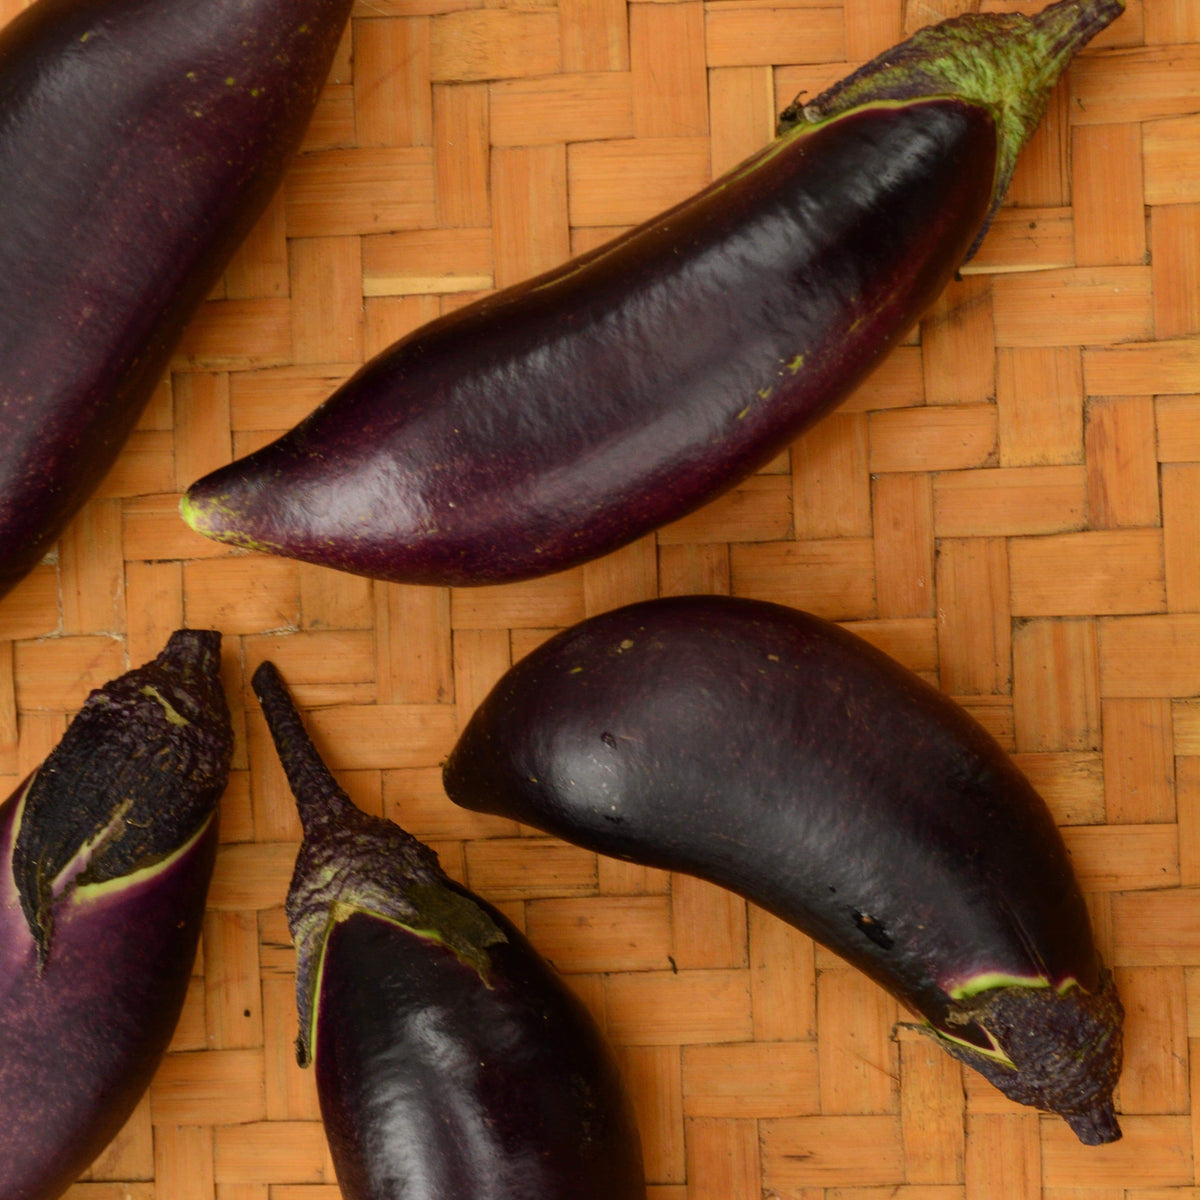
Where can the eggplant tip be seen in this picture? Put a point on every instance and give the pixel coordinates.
(1097, 1126)
(195, 649)
(212, 518)
(201, 515)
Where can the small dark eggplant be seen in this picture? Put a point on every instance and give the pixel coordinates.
(566, 416)
(451, 1061)
(788, 760)
(139, 140)
(106, 852)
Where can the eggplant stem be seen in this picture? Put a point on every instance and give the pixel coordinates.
(352, 862)
(320, 800)
(1064, 1047)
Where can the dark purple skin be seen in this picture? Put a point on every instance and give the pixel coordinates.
(92, 982)
(562, 418)
(566, 416)
(139, 141)
(786, 759)
(451, 1061)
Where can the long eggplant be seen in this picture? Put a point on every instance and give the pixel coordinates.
(106, 852)
(777, 755)
(139, 140)
(561, 418)
(451, 1061)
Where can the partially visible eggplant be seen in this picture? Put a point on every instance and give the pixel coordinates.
(566, 416)
(782, 757)
(451, 1060)
(139, 141)
(106, 852)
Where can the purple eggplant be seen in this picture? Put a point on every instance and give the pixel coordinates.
(139, 141)
(451, 1061)
(566, 416)
(788, 760)
(106, 851)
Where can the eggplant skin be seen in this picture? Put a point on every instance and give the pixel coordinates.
(97, 1019)
(139, 141)
(566, 416)
(782, 757)
(437, 1082)
(89, 1001)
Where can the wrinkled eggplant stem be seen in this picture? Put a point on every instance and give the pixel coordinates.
(320, 800)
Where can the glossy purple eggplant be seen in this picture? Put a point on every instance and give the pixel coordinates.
(777, 755)
(451, 1061)
(105, 857)
(139, 140)
(568, 415)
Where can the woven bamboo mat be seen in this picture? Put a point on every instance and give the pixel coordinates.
(1011, 506)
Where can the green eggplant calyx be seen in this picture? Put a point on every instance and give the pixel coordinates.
(1057, 1048)
(1007, 63)
(136, 775)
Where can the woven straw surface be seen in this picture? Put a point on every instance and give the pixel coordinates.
(1010, 506)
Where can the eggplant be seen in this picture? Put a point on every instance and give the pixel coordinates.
(559, 419)
(139, 141)
(451, 1061)
(779, 756)
(106, 852)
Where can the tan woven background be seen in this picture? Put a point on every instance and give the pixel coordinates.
(1011, 506)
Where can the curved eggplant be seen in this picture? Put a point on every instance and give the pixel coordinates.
(451, 1060)
(566, 416)
(139, 141)
(106, 852)
(779, 756)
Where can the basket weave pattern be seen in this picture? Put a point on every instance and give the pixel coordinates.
(1010, 506)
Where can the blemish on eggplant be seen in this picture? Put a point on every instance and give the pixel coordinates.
(608, 739)
(873, 929)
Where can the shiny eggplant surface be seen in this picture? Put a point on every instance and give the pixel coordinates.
(139, 140)
(451, 1061)
(561, 418)
(106, 852)
(777, 755)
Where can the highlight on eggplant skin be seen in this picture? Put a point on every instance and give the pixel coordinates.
(782, 757)
(106, 852)
(566, 416)
(138, 145)
(451, 1061)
